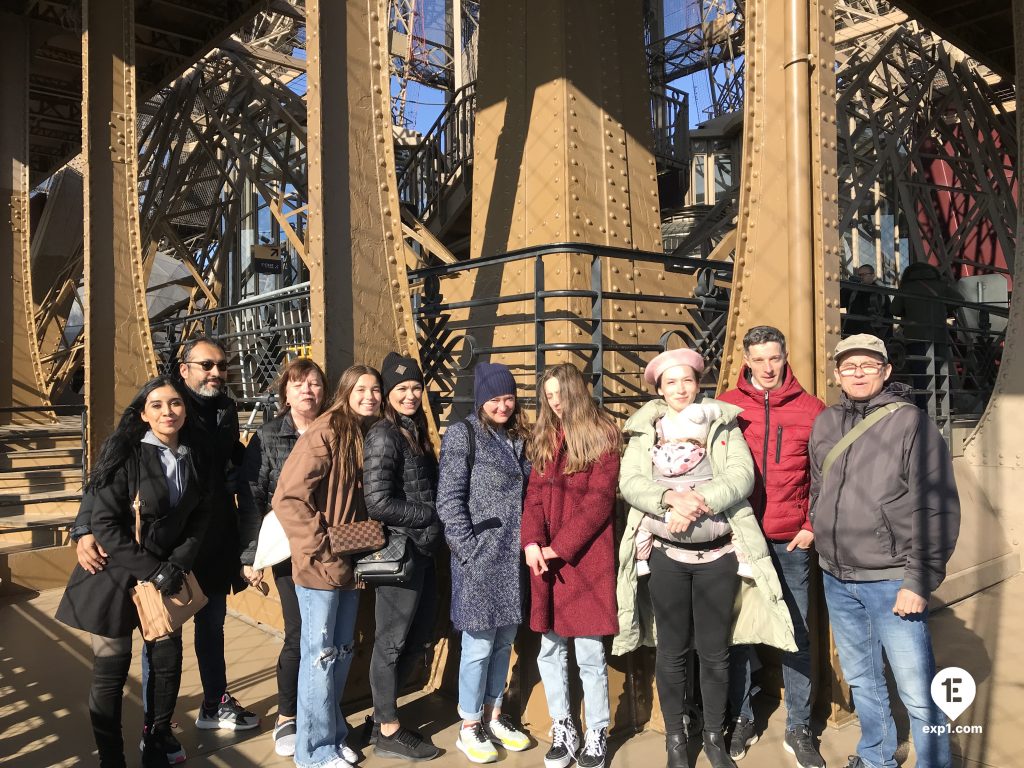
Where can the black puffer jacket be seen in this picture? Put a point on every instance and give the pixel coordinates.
(399, 485)
(265, 456)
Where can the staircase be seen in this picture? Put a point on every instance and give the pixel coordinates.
(41, 479)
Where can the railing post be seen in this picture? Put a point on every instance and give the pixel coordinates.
(539, 337)
(597, 329)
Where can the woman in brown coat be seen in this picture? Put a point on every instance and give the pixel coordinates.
(321, 486)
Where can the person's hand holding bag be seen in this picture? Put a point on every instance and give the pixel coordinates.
(168, 579)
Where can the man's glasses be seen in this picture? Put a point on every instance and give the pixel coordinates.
(868, 369)
(209, 365)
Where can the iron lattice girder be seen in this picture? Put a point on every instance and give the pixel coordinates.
(908, 105)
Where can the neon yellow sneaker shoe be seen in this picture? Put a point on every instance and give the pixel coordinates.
(475, 745)
(503, 731)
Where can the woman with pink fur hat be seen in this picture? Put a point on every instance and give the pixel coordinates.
(686, 475)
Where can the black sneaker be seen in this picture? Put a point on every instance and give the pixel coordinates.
(854, 761)
(743, 735)
(405, 745)
(228, 715)
(160, 748)
(595, 747)
(799, 742)
(371, 731)
(565, 740)
(175, 752)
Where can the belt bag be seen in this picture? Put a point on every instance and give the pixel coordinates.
(352, 538)
(159, 614)
(392, 564)
(703, 546)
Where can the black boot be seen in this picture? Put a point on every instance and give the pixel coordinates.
(716, 751)
(675, 746)
(109, 674)
(161, 697)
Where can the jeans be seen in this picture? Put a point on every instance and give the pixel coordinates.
(405, 615)
(484, 669)
(794, 575)
(692, 603)
(209, 647)
(288, 660)
(328, 632)
(553, 663)
(863, 624)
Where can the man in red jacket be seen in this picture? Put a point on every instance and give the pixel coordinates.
(776, 422)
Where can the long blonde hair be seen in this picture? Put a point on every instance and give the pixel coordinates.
(588, 432)
(347, 425)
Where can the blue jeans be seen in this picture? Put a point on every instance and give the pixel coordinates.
(328, 631)
(553, 663)
(863, 624)
(483, 669)
(209, 647)
(794, 576)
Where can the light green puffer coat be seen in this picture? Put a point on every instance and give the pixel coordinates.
(760, 614)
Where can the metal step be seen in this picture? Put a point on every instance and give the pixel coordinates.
(41, 457)
(29, 482)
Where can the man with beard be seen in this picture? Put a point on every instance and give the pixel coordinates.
(218, 568)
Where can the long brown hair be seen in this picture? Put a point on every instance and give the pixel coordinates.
(296, 370)
(346, 424)
(588, 433)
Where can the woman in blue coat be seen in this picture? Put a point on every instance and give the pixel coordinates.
(482, 481)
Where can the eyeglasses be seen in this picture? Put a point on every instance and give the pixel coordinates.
(209, 365)
(868, 369)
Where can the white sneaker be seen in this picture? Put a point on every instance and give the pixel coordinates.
(474, 743)
(284, 738)
(349, 754)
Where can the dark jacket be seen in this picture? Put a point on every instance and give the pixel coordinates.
(265, 456)
(481, 509)
(922, 304)
(313, 494)
(573, 515)
(776, 426)
(867, 310)
(101, 603)
(399, 485)
(889, 508)
(220, 457)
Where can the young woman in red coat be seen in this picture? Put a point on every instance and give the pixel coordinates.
(567, 539)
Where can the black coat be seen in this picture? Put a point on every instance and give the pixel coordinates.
(399, 485)
(265, 456)
(220, 457)
(101, 603)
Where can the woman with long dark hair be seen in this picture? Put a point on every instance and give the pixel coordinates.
(567, 538)
(147, 462)
(480, 502)
(301, 392)
(320, 487)
(400, 475)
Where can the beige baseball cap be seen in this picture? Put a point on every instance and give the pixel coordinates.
(861, 342)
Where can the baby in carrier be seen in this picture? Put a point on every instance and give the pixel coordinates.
(681, 464)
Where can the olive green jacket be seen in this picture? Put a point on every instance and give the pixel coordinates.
(760, 614)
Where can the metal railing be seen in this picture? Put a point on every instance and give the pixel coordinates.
(444, 154)
(259, 333)
(670, 124)
(951, 366)
(454, 335)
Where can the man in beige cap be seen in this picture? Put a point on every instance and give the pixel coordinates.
(886, 516)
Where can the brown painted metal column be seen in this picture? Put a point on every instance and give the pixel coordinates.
(359, 292)
(787, 246)
(19, 354)
(119, 355)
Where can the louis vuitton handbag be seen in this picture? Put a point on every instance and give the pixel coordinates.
(159, 614)
(353, 538)
(391, 564)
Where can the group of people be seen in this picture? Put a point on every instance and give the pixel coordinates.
(727, 499)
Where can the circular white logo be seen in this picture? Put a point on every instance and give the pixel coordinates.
(953, 690)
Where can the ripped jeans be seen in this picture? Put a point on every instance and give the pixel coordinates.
(328, 629)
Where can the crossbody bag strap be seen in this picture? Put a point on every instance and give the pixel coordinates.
(850, 437)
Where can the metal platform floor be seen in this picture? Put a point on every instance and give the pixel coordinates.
(45, 668)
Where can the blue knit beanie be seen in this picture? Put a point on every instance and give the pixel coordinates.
(492, 380)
